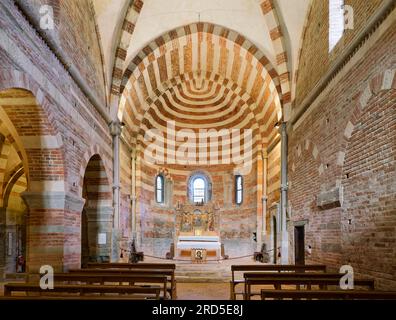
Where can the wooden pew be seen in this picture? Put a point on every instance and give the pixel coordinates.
(327, 294)
(78, 298)
(269, 268)
(156, 267)
(170, 274)
(144, 292)
(297, 281)
(103, 278)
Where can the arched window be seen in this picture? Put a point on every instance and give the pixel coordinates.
(159, 189)
(336, 22)
(199, 190)
(238, 189)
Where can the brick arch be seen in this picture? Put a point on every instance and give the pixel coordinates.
(310, 148)
(14, 79)
(97, 214)
(17, 174)
(272, 20)
(306, 152)
(383, 81)
(166, 58)
(175, 39)
(275, 29)
(91, 152)
(37, 136)
(95, 175)
(128, 26)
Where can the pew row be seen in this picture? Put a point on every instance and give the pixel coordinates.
(278, 281)
(327, 295)
(268, 268)
(103, 278)
(169, 274)
(139, 292)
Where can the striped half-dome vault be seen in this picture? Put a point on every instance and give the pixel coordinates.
(194, 78)
(200, 76)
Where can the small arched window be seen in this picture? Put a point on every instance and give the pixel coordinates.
(336, 22)
(159, 189)
(238, 189)
(199, 190)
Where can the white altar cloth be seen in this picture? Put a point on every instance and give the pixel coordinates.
(211, 243)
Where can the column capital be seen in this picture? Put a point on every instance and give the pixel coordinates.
(283, 127)
(116, 127)
(134, 153)
(284, 187)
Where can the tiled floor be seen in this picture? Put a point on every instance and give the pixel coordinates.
(203, 291)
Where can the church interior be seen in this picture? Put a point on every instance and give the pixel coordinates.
(198, 150)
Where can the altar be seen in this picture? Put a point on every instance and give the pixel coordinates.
(197, 231)
(211, 245)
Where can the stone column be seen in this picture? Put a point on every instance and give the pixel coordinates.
(53, 230)
(133, 193)
(264, 198)
(115, 130)
(283, 190)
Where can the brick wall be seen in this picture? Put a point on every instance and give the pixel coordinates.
(315, 59)
(237, 223)
(75, 32)
(368, 218)
(56, 131)
(342, 164)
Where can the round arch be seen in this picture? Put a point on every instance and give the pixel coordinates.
(207, 180)
(35, 137)
(97, 214)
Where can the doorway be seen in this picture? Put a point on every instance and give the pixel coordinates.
(299, 245)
